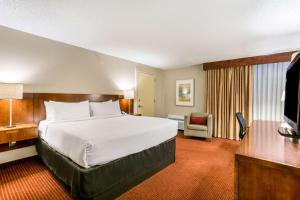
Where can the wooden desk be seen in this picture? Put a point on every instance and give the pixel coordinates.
(267, 165)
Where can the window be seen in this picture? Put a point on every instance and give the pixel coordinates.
(269, 84)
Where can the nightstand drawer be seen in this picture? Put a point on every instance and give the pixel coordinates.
(30, 133)
(18, 135)
(10, 136)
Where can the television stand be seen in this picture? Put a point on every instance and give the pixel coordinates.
(288, 132)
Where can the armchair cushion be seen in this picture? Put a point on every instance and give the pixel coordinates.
(197, 127)
(198, 120)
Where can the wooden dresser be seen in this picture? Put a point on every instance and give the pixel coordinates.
(267, 165)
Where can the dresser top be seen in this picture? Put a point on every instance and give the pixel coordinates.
(263, 142)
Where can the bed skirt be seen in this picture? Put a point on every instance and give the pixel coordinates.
(110, 180)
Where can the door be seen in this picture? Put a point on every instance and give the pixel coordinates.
(146, 94)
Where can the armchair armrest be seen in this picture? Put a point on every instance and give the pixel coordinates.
(186, 121)
(210, 124)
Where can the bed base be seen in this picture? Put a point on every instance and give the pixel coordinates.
(110, 180)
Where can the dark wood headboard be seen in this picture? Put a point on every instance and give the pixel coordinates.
(22, 110)
(31, 108)
(39, 112)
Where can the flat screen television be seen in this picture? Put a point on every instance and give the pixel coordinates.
(292, 95)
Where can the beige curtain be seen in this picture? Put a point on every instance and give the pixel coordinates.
(229, 90)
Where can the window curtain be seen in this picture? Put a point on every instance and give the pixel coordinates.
(269, 84)
(229, 90)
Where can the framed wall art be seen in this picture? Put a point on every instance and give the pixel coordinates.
(185, 92)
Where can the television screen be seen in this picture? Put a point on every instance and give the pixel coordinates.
(291, 106)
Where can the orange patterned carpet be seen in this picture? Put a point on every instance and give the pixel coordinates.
(30, 180)
(203, 170)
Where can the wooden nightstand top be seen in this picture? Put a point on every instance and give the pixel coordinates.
(136, 114)
(18, 127)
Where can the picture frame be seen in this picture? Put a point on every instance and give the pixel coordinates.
(185, 92)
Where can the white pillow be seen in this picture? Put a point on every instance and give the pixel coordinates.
(105, 108)
(66, 111)
(116, 107)
(49, 111)
(100, 108)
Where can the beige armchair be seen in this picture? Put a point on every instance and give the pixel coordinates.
(195, 130)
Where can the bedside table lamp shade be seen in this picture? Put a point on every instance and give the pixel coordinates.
(129, 94)
(11, 91)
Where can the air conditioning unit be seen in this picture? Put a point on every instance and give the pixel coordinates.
(179, 119)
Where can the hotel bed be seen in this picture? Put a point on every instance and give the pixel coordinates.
(99, 140)
(102, 157)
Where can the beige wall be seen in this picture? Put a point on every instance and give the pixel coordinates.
(170, 76)
(45, 65)
(48, 66)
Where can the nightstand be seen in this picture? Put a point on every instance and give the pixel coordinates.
(21, 132)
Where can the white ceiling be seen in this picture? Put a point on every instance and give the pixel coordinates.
(162, 33)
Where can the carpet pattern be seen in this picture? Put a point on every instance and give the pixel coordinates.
(30, 180)
(203, 170)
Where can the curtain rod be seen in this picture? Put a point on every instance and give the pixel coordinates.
(264, 59)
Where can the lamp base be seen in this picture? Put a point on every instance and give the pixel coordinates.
(10, 116)
(10, 126)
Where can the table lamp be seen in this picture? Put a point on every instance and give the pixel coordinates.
(11, 91)
(129, 94)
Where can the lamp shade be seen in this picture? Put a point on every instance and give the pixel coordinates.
(11, 91)
(129, 94)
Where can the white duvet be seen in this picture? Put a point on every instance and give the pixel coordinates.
(96, 141)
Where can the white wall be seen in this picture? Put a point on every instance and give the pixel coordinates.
(45, 65)
(48, 66)
(194, 72)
